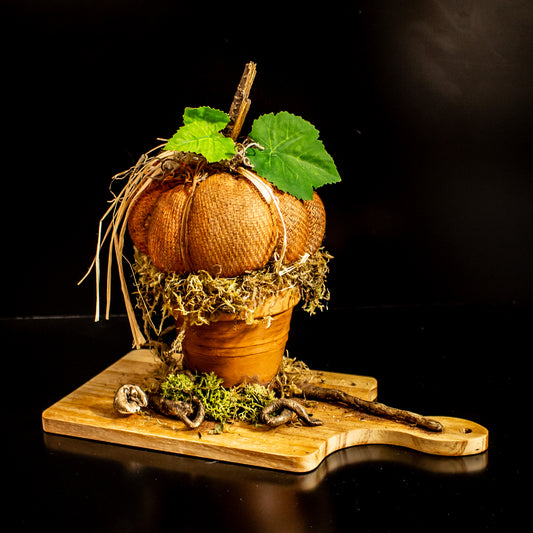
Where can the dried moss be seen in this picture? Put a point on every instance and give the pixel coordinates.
(292, 373)
(196, 296)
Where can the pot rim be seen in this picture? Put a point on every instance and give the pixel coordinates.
(273, 305)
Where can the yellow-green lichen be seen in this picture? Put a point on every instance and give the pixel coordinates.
(223, 405)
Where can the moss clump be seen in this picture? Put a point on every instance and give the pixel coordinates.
(196, 296)
(292, 373)
(243, 403)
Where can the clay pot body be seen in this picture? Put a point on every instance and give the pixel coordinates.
(239, 352)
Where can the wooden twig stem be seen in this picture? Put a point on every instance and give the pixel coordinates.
(315, 392)
(241, 102)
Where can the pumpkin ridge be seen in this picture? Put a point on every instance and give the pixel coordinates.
(223, 224)
(231, 227)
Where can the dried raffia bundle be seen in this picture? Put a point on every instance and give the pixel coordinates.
(228, 236)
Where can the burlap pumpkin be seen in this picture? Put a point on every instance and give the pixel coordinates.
(222, 225)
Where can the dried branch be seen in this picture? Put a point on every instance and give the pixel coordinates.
(310, 391)
(241, 103)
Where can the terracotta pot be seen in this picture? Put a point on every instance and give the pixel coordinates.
(239, 352)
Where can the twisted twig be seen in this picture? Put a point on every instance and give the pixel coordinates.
(288, 408)
(181, 410)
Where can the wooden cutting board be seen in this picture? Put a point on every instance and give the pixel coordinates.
(88, 413)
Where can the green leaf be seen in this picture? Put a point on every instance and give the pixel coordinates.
(292, 158)
(200, 134)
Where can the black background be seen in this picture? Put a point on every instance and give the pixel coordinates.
(427, 110)
(425, 106)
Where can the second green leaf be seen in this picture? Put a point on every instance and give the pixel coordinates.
(291, 156)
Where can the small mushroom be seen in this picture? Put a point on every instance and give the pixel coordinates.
(130, 399)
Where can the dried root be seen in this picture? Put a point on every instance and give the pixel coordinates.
(252, 403)
(181, 410)
(315, 392)
(130, 399)
(289, 408)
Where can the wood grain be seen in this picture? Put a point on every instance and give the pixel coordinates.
(88, 413)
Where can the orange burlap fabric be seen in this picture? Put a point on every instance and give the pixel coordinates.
(222, 225)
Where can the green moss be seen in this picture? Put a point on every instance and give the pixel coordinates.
(178, 387)
(243, 403)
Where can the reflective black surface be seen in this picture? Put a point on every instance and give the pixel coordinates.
(464, 362)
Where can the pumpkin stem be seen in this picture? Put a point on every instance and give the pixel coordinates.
(241, 103)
